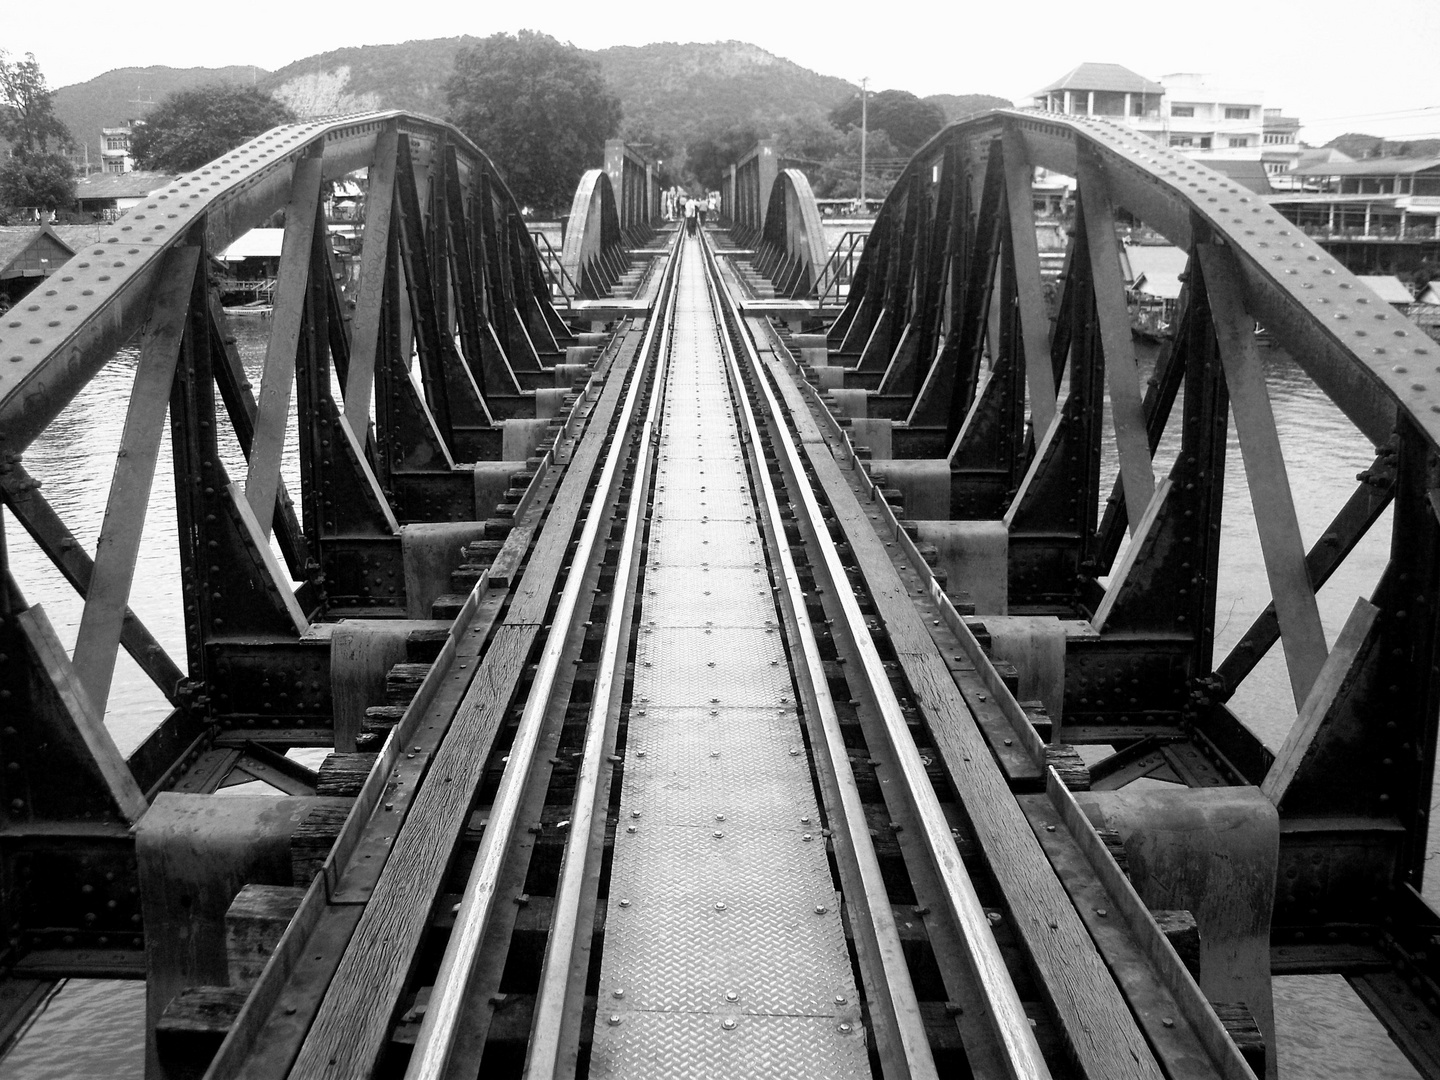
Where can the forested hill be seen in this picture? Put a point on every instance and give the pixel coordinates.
(678, 92)
(958, 106)
(410, 75)
(668, 90)
(109, 100)
(671, 93)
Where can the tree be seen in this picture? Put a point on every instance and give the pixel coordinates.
(191, 127)
(903, 116)
(708, 157)
(811, 138)
(656, 147)
(840, 177)
(43, 181)
(27, 119)
(539, 107)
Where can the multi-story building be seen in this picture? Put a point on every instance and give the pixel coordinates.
(1223, 126)
(1106, 90)
(1211, 120)
(115, 148)
(1280, 147)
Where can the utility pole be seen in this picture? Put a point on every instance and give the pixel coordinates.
(864, 118)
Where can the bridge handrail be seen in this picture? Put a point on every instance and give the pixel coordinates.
(562, 285)
(839, 268)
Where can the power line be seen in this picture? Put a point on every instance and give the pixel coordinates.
(1393, 113)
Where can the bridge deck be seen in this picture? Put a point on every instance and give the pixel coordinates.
(724, 945)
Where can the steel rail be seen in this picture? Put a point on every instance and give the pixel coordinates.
(902, 1009)
(1020, 1052)
(549, 1021)
(443, 1015)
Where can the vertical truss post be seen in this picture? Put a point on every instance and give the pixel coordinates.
(1156, 622)
(1102, 248)
(347, 519)
(976, 294)
(374, 258)
(1024, 255)
(1051, 520)
(932, 308)
(98, 639)
(262, 479)
(1270, 493)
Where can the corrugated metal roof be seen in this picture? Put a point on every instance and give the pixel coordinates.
(1388, 287)
(1103, 77)
(1369, 167)
(1250, 173)
(255, 244)
(1321, 155)
(1156, 269)
(131, 185)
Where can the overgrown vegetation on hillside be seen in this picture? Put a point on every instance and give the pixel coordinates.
(540, 108)
(677, 101)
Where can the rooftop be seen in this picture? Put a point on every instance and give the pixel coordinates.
(1155, 269)
(1250, 172)
(131, 185)
(1382, 166)
(1388, 287)
(255, 244)
(15, 239)
(1112, 77)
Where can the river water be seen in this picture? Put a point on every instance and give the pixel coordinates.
(93, 1029)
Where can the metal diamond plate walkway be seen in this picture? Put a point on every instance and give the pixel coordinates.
(725, 953)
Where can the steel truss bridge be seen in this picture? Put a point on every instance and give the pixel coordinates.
(704, 668)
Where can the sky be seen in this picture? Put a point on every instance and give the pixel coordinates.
(1338, 67)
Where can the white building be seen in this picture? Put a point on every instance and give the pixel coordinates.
(115, 148)
(1223, 126)
(1213, 120)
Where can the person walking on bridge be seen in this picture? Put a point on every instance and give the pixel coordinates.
(690, 216)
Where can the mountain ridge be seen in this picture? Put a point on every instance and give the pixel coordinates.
(672, 93)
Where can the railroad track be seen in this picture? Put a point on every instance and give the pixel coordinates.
(699, 797)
